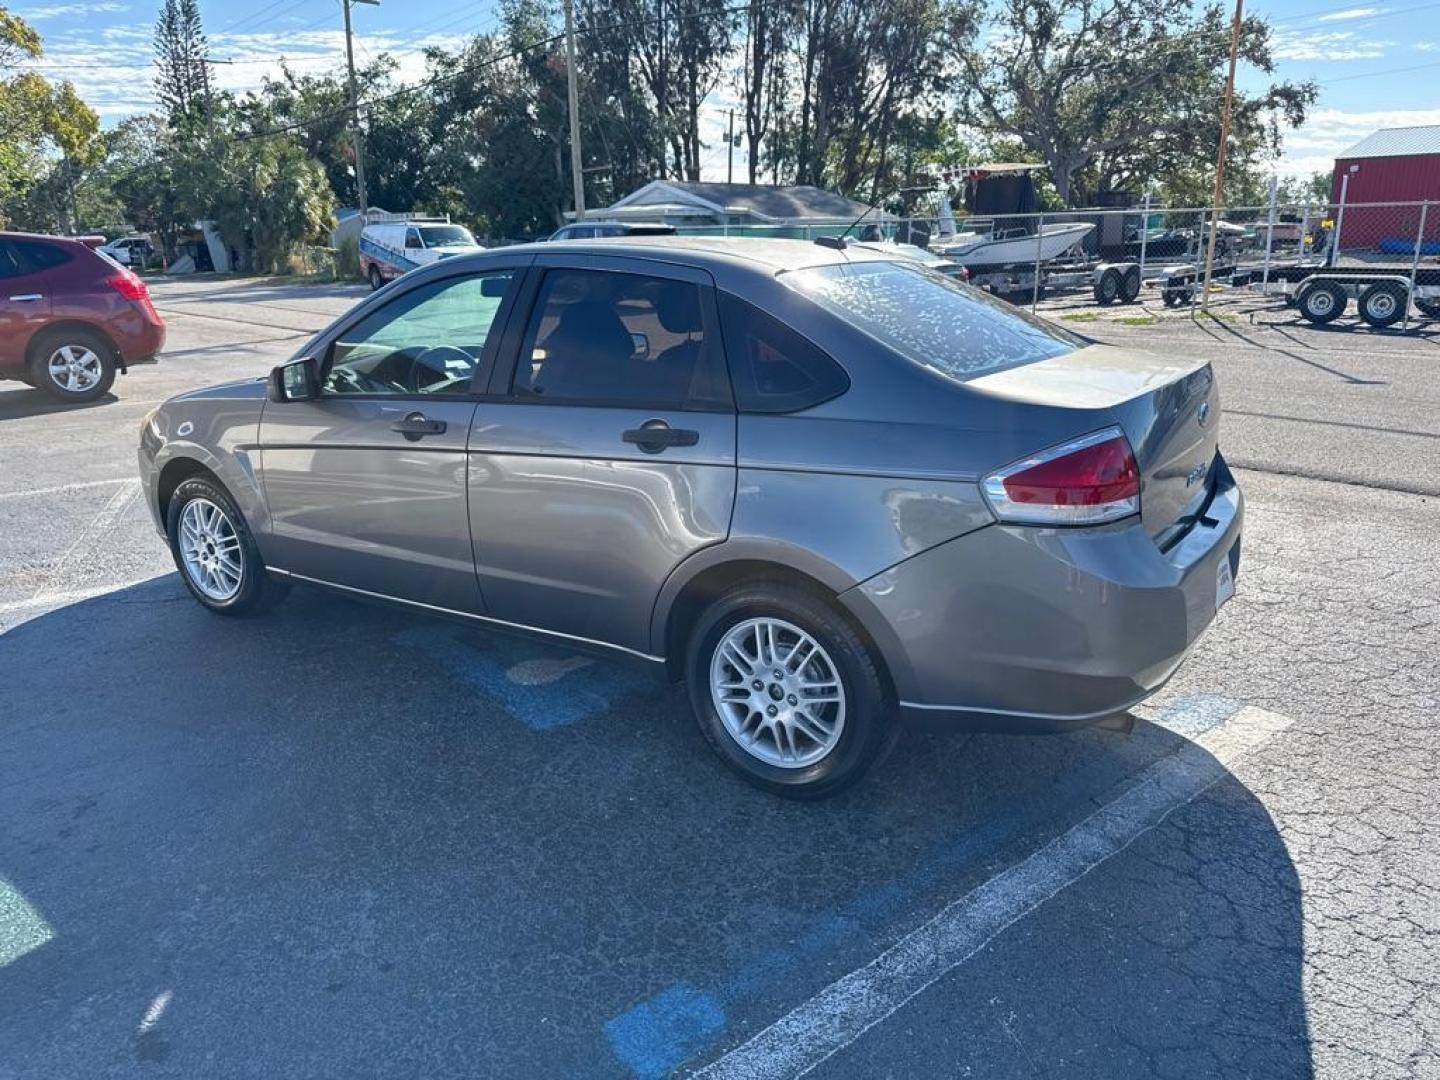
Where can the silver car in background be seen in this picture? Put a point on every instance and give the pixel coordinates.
(826, 488)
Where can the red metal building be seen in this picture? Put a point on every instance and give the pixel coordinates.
(1392, 165)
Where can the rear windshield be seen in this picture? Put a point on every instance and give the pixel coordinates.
(931, 319)
(446, 236)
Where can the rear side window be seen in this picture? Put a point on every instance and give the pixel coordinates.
(598, 337)
(10, 264)
(38, 256)
(774, 369)
(930, 319)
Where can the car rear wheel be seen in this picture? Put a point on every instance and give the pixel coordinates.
(376, 281)
(72, 365)
(215, 552)
(787, 693)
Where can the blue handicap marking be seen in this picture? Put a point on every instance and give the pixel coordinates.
(659, 1034)
(1196, 714)
(540, 686)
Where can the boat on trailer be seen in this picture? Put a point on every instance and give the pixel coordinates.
(1008, 247)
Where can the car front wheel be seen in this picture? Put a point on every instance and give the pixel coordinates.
(72, 365)
(787, 692)
(215, 552)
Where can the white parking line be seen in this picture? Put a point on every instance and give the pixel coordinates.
(82, 485)
(100, 524)
(847, 1008)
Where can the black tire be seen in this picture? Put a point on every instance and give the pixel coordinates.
(258, 590)
(376, 281)
(870, 725)
(80, 344)
(1383, 304)
(1107, 289)
(1130, 285)
(1322, 303)
(1429, 308)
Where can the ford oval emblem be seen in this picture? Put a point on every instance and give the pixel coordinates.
(185, 428)
(1203, 413)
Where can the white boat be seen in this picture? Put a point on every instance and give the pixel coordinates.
(976, 249)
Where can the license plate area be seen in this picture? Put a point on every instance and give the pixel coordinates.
(1224, 580)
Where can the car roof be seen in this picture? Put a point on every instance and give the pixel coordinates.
(46, 237)
(714, 252)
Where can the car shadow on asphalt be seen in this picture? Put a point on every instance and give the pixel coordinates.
(22, 400)
(345, 840)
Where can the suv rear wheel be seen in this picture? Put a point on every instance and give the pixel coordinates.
(787, 693)
(72, 365)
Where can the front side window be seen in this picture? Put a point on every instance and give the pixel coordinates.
(412, 238)
(430, 340)
(931, 319)
(602, 338)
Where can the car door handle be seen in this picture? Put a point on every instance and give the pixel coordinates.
(27, 296)
(416, 426)
(655, 435)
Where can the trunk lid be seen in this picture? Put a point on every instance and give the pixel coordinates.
(1168, 408)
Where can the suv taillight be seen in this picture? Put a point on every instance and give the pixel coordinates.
(1086, 481)
(128, 286)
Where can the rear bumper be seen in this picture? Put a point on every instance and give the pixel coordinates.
(138, 338)
(1017, 628)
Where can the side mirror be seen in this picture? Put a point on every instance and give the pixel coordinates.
(299, 380)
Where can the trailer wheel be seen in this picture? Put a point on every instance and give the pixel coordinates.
(1107, 289)
(1383, 304)
(1429, 307)
(1130, 285)
(1323, 302)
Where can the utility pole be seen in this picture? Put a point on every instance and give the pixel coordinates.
(209, 110)
(1220, 162)
(730, 151)
(357, 136)
(577, 171)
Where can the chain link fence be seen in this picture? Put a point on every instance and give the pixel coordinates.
(1319, 257)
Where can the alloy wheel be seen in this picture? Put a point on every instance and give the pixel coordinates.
(210, 550)
(778, 693)
(75, 369)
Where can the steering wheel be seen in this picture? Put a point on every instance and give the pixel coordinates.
(436, 360)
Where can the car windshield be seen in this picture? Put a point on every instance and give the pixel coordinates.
(446, 236)
(931, 319)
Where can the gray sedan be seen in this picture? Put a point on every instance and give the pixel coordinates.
(826, 488)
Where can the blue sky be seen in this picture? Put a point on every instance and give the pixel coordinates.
(1378, 63)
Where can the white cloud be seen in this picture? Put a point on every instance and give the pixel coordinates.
(113, 69)
(1427, 46)
(1327, 45)
(60, 11)
(1350, 13)
(1329, 132)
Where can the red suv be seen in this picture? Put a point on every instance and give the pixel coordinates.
(70, 317)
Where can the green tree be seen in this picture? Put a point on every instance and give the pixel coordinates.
(40, 122)
(182, 69)
(1115, 94)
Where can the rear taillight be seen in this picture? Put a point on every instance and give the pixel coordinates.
(1085, 481)
(128, 286)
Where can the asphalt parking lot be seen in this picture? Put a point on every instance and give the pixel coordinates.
(341, 841)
